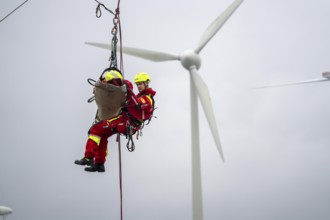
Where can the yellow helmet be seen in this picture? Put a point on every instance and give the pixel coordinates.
(112, 74)
(141, 77)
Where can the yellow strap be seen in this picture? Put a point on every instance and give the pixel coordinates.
(150, 99)
(112, 119)
(95, 138)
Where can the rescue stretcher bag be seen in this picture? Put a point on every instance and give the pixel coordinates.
(109, 99)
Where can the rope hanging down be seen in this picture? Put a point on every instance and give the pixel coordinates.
(13, 11)
(113, 64)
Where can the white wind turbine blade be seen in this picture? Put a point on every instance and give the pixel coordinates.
(155, 56)
(217, 24)
(205, 99)
(293, 83)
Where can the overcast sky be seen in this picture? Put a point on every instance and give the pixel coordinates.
(276, 141)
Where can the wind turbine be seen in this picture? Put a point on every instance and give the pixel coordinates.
(325, 77)
(4, 211)
(191, 61)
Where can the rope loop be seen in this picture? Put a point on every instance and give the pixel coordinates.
(98, 9)
(91, 99)
(91, 81)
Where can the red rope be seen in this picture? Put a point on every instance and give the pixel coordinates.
(118, 137)
(120, 178)
(121, 68)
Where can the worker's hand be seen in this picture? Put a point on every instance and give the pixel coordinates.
(128, 87)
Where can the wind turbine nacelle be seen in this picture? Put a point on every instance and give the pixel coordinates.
(5, 210)
(326, 75)
(190, 58)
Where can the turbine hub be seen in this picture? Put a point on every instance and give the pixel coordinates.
(190, 58)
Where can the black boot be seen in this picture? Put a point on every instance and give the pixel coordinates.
(85, 161)
(96, 167)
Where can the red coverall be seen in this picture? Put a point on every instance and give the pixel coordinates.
(138, 109)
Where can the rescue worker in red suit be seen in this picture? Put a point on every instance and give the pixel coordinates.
(138, 109)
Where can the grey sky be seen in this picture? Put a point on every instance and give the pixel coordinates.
(275, 141)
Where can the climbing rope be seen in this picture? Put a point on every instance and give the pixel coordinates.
(120, 177)
(13, 11)
(113, 64)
